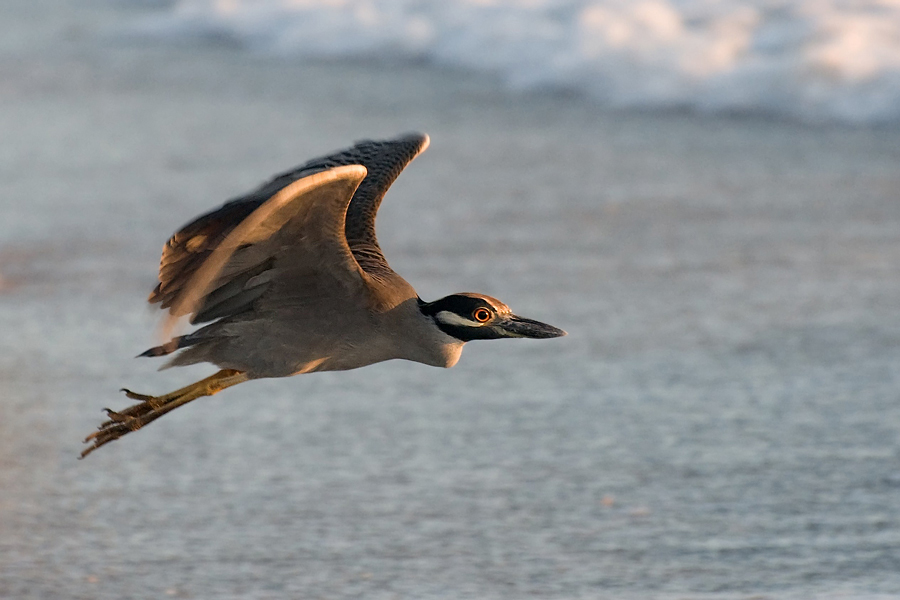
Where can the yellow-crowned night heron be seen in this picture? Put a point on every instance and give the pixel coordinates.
(292, 279)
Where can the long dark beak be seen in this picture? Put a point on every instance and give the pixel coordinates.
(514, 326)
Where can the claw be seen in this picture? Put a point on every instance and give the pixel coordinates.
(135, 395)
(115, 417)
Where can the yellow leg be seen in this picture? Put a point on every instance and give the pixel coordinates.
(151, 408)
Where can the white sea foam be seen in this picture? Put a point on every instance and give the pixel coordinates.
(816, 60)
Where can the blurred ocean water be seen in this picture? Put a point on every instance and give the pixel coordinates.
(815, 60)
(722, 422)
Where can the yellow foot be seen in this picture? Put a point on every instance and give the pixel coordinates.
(126, 421)
(151, 408)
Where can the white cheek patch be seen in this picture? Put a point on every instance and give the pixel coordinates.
(451, 318)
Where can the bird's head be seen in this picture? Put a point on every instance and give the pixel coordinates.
(468, 317)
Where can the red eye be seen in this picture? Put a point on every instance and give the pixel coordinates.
(482, 315)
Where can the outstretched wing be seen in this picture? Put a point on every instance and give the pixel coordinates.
(299, 228)
(384, 160)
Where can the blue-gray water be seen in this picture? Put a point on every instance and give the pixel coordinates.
(722, 420)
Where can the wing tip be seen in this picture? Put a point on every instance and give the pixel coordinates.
(423, 140)
(426, 141)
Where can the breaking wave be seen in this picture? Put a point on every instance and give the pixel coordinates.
(815, 60)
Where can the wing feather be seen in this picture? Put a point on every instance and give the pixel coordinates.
(304, 219)
(237, 284)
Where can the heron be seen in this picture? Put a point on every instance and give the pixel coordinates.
(290, 279)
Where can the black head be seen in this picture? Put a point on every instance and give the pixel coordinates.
(470, 317)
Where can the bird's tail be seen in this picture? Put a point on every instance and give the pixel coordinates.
(171, 346)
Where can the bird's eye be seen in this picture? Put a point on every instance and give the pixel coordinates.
(482, 315)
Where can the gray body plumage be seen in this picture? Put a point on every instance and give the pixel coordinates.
(306, 288)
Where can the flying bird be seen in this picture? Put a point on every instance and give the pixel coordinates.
(290, 279)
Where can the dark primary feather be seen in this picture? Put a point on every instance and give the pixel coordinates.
(243, 279)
